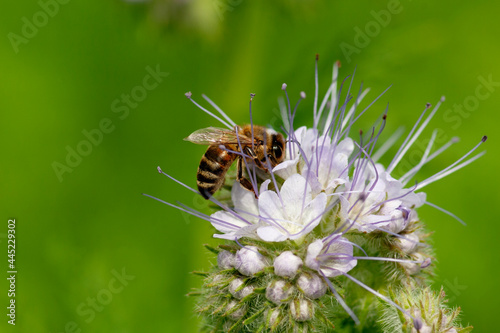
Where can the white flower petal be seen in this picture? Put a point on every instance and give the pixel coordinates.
(271, 234)
(340, 262)
(243, 232)
(300, 133)
(286, 168)
(312, 213)
(345, 205)
(339, 266)
(226, 222)
(345, 147)
(312, 252)
(270, 207)
(264, 186)
(295, 194)
(244, 202)
(228, 236)
(372, 222)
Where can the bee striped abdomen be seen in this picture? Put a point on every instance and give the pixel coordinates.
(212, 170)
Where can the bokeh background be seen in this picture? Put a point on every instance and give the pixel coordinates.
(68, 72)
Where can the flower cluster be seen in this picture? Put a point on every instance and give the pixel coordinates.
(327, 224)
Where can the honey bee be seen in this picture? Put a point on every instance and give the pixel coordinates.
(217, 160)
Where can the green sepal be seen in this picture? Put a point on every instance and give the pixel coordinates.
(230, 248)
(194, 294)
(202, 274)
(254, 316)
(211, 249)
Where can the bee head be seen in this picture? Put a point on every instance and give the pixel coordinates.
(278, 147)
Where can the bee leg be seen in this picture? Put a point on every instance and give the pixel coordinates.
(249, 151)
(240, 168)
(272, 159)
(247, 185)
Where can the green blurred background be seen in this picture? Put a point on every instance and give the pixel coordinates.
(77, 231)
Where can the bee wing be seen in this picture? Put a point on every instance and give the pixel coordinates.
(220, 136)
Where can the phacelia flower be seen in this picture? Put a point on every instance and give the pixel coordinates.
(302, 235)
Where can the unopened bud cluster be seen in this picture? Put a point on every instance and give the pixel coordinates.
(258, 289)
(428, 308)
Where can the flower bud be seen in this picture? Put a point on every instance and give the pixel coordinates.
(237, 289)
(408, 243)
(217, 279)
(225, 259)
(279, 291)
(235, 310)
(413, 268)
(301, 309)
(311, 285)
(273, 317)
(287, 264)
(249, 261)
(419, 326)
(423, 329)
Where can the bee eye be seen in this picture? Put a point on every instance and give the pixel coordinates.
(277, 151)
